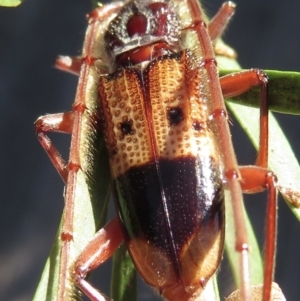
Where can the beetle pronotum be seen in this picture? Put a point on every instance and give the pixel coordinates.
(133, 54)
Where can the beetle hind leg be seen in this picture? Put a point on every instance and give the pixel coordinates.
(99, 249)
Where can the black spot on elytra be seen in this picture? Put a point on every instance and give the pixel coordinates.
(175, 115)
(126, 127)
(198, 126)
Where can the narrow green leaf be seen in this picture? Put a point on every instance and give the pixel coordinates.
(124, 277)
(215, 288)
(95, 3)
(10, 3)
(48, 286)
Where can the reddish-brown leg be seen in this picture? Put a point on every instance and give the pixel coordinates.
(219, 124)
(66, 123)
(237, 83)
(99, 249)
(219, 22)
(71, 122)
(216, 27)
(60, 123)
(69, 64)
(257, 178)
(232, 173)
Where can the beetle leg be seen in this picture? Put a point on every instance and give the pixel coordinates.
(237, 83)
(216, 27)
(61, 122)
(256, 179)
(82, 124)
(218, 114)
(219, 22)
(98, 250)
(69, 64)
(66, 123)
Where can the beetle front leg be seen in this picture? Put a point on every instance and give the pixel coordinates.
(219, 22)
(60, 123)
(216, 27)
(98, 250)
(69, 64)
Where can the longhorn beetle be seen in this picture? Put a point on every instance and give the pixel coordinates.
(148, 80)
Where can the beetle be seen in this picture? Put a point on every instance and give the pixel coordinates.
(170, 149)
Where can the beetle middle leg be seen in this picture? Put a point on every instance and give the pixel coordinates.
(257, 178)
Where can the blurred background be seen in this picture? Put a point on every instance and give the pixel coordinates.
(31, 195)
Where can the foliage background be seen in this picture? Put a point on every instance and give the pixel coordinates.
(31, 36)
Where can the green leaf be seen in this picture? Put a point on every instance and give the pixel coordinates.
(124, 277)
(10, 3)
(284, 96)
(95, 3)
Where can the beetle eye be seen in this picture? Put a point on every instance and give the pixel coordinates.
(175, 115)
(137, 25)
